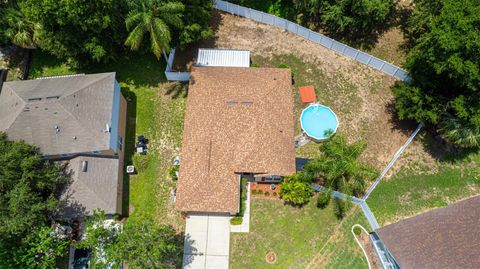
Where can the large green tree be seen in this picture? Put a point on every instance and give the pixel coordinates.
(140, 243)
(196, 21)
(29, 191)
(78, 30)
(445, 67)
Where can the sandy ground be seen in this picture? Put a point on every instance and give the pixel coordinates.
(370, 117)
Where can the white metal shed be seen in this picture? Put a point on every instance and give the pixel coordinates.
(223, 57)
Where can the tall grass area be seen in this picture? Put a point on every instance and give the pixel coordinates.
(411, 192)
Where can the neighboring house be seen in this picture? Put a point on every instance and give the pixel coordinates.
(238, 121)
(79, 120)
(447, 237)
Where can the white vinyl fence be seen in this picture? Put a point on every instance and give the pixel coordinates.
(318, 38)
(172, 75)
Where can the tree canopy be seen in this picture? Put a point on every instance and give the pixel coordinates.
(139, 242)
(445, 70)
(95, 31)
(29, 191)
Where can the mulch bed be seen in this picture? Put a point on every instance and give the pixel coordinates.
(367, 245)
(256, 187)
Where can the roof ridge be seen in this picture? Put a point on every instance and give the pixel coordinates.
(100, 197)
(88, 84)
(82, 88)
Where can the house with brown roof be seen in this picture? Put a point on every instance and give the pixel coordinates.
(78, 120)
(447, 237)
(239, 121)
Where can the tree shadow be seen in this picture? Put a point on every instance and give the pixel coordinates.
(177, 89)
(189, 251)
(300, 162)
(407, 127)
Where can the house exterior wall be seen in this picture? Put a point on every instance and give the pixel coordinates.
(121, 152)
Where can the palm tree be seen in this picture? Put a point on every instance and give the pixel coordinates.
(155, 18)
(21, 31)
(460, 132)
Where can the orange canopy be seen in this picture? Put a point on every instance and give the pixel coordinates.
(307, 94)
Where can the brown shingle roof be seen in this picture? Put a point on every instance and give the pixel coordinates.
(447, 237)
(237, 120)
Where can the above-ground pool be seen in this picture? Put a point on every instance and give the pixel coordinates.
(318, 122)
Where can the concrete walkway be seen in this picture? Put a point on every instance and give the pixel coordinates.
(207, 241)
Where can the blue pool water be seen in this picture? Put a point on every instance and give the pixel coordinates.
(317, 120)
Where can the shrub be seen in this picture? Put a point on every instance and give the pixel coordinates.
(236, 220)
(254, 65)
(341, 208)
(324, 199)
(267, 193)
(296, 190)
(172, 171)
(259, 192)
(140, 162)
(274, 194)
(254, 192)
(282, 66)
(357, 230)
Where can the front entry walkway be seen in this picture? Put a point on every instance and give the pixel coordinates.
(207, 241)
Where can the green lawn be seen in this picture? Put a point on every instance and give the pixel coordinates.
(342, 251)
(414, 190)
(155, 109)
(296, 235)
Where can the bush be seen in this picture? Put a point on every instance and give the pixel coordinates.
(295, 189)
(324, 199)
(259, 192)
(341, 208)
(140, 162)
(172, 172)
(254, 65)
(254, 192)
(282, 66)
(267, 193)
(236, 220)
(275, 194)
(357, 230)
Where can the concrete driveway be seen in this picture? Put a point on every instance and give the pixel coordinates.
(207, 241)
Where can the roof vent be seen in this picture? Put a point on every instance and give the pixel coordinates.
(84, 166)
(107, 128)
(57, 129)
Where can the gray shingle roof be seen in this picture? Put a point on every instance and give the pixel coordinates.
(80, 106)
(446, 237)
(97, 188)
